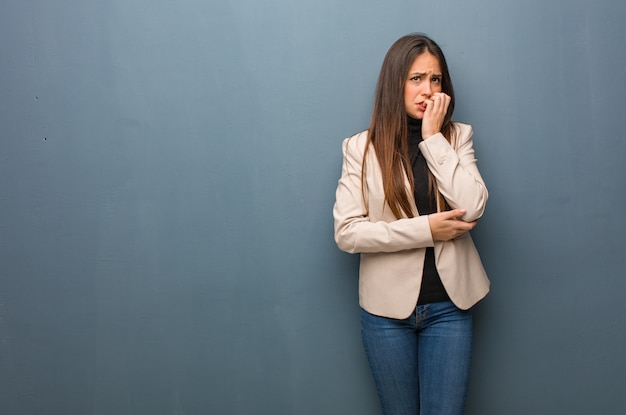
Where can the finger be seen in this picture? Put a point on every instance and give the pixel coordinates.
(457, 213)
(441, 99)
(440, 105)
(453, 214)
(433, 109)
(435, 105)
(462, 227)
(446, 102)
(472, 225)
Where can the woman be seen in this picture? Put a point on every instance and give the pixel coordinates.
(409, 194)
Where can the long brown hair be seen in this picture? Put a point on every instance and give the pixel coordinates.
(388, 129)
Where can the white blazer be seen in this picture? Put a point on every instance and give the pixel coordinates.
(392, 250)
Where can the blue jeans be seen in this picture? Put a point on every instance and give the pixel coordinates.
(420, 364)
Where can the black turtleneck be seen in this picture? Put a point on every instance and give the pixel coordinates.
(432, 289)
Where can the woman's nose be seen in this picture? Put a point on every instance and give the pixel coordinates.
(427, 91)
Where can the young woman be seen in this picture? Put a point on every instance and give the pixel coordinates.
(410, 192)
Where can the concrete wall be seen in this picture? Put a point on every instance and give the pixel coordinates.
(167, 175)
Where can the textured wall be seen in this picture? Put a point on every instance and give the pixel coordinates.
(167, 174)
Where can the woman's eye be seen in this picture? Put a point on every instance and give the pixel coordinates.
(415, 79)
(437, 80)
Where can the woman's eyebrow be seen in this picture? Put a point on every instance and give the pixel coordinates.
(424, 73)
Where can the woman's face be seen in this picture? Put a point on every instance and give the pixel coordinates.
(424, 79)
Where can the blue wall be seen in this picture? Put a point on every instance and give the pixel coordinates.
(167, 175)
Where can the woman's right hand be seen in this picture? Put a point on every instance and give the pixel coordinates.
(436, 110)
(449, 225)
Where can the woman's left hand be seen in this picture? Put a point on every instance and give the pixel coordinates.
(436, 109)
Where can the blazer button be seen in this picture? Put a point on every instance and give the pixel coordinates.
(441, 160)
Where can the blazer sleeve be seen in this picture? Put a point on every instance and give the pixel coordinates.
(355, 230)
(456, 171)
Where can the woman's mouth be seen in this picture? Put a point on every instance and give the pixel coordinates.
(421, 106)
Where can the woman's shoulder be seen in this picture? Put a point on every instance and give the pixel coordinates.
(360, 137)
(461, 133)
(462, 128)
(356, 142)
